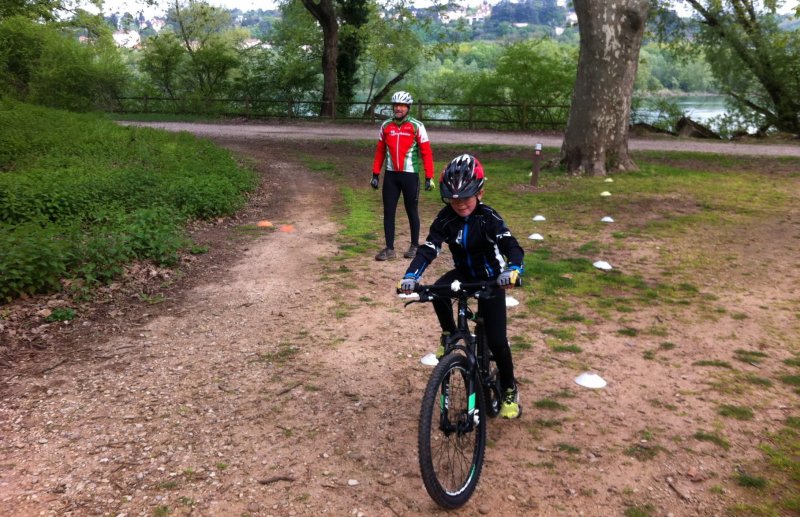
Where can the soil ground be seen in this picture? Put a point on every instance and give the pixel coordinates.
(263, 378)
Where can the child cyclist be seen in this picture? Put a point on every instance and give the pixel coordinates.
(483, 249)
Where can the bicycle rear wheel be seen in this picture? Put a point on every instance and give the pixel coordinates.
(452, 433)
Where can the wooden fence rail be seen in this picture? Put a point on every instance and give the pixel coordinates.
(470, 115)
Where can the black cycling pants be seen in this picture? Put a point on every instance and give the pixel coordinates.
(393, 184)
(493, 311)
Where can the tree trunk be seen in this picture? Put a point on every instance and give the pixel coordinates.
(369, 112)
(596, 139)
(325, 14)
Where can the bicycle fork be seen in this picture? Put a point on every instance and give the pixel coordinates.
(465, 419)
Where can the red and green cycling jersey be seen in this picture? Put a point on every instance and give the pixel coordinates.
(403, 146)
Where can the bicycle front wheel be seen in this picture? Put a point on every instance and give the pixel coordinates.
(452, 433)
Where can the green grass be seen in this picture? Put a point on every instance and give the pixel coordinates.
(737, 412)
(358, 216)
(715, 438)
(550, 404)
(714, 362)
(639, 511)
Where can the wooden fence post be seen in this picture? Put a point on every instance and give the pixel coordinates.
(537, 163)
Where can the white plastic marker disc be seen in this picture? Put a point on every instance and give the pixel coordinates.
(511, 301)
(609, 180)
(538, 218)
(602, 264)
(535, 237)
(606, 219)
(429, 360)
(590, 380)
(412, 296)
(605, 193)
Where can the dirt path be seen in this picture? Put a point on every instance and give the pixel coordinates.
(325, 131)
(284, 382)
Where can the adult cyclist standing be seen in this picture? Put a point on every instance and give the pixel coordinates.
(403, 149)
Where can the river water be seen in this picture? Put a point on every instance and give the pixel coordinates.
(700, 108)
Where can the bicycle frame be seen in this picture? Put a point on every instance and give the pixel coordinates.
(460, 392)
(475, 347)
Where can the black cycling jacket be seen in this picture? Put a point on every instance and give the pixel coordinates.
(481, 244)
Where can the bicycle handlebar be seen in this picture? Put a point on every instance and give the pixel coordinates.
(455, 290)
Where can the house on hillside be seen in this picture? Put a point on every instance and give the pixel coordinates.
(127, 39)
(472, 15)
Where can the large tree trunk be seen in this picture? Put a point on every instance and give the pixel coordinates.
(325, 13)
(596, 140)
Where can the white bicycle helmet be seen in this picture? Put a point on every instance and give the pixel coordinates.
(402, 98)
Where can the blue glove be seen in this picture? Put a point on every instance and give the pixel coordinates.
(509, 277)
(407, 284)
(374, 181)
(428, 184)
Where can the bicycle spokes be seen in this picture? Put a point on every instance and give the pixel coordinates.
(452, 433)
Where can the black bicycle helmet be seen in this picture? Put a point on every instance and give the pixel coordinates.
(462, 178)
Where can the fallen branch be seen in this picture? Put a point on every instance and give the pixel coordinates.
(53, 367)
(289, 388)
(275, 479)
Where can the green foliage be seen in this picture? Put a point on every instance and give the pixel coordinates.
(80, 196)
(61, 314)
(34, 258)
(540, 74)
(754, 61)
(44, 64)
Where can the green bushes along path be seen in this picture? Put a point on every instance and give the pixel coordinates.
(81, 196)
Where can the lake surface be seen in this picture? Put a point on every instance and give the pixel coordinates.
(700, 108)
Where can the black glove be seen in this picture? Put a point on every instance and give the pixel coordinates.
(428, 184)
(374, 181)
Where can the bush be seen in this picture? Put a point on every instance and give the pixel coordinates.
(42, 64)
(34, 258)
(80, 196)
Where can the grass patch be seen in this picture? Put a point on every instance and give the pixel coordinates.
(550, 404)
(562, 334)
(628, 331)
(547, 423)
(566, 447)
(520, 343)
(715, 363)
(737, 412)
(754, 379)
(361, 226)
(285, 352)
(746, 480)
(715, 438)
(639, 511)
(749, 356)
(571, 349)
(791, 380)
(643, 452)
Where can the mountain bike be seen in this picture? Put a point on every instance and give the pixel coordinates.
(462, 392)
